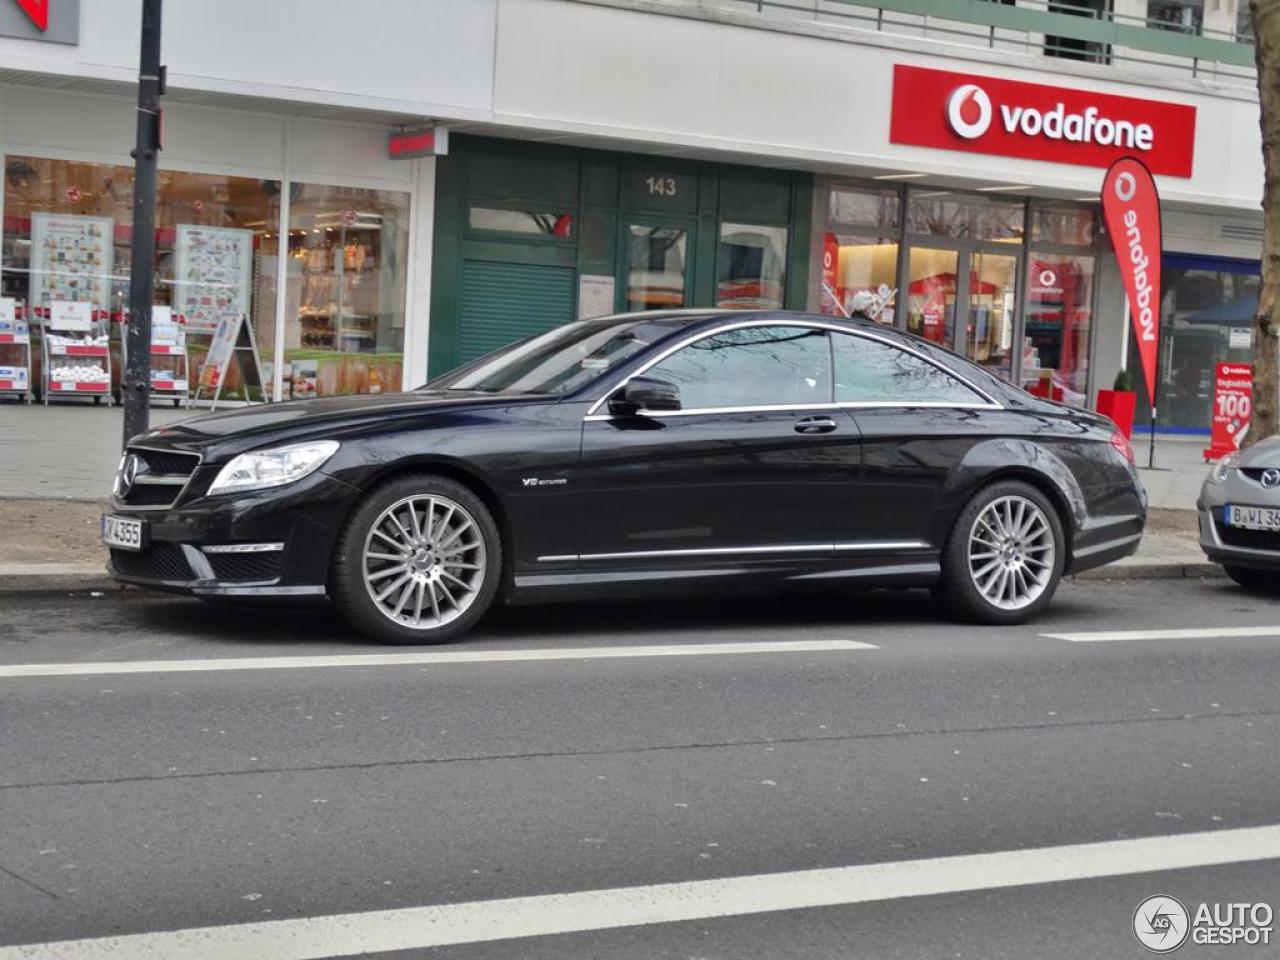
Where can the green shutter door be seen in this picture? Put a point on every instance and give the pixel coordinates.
(505, 302)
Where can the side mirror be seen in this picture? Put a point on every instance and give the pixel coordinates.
(645, 393)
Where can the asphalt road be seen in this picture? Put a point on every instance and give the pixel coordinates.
(871, 732)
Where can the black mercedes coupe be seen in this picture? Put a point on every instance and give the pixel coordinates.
(642, 452)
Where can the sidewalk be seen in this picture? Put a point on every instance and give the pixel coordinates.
(57, 465)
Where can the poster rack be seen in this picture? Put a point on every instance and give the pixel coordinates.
(69, 343)
(232, 340)
(170, 367)
(15, 338)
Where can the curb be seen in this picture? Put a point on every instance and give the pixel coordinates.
(1156, 570)
(55, 578)
(84, 577)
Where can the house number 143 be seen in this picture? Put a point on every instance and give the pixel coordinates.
(663, 186)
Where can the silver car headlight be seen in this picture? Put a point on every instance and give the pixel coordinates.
(1222, 467)
(274, 467)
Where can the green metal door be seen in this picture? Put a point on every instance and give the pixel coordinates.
(504, 302)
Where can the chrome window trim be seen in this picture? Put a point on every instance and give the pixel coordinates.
(991, 404)
(741, 551)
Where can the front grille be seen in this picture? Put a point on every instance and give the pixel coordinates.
(1247, 539)
(159, 464)
(1254, 473)
(152, 495)
(160, 561)
(245, 567)
(168, 461)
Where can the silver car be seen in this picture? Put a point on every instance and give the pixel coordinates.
(1240, 515)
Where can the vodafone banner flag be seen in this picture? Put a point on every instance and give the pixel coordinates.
(1131, 206)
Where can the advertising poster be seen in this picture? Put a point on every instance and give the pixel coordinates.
(214, 267)
(71, 259)
(221, 348)
(1232, 408)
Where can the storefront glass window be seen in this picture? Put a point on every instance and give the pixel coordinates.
(854, 264)
(931, 293)
(68, 236)
(752, 266)
(521, 221)
(344, 320)
(941, 214)
(1069, 226)
(1055, 347)
(656, 261)
(856, 207)
(1207, 318)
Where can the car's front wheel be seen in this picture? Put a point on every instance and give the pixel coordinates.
(418, 561)
(1252, 578)
(1004, 557)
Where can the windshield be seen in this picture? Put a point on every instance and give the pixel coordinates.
(558, 361)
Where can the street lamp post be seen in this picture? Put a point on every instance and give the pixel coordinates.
(137, 374)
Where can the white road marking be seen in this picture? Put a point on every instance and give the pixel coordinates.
(1200, 633)
(437, 658)
(411, 928)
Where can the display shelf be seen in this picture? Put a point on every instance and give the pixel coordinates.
(78, 386)
(82, 350)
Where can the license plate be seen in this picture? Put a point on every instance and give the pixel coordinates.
(124, 533)
(1252, 518)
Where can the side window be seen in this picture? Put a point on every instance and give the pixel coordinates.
(751, 366)
(868, 371)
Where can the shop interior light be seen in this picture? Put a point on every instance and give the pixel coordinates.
(900, 176)
(1001, 189)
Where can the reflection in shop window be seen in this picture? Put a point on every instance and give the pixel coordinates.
(656, 258)
(1066, 226)
(345, 312)
(68, 236)
(1207, 319)
(931, 293)
(864, 207)
(521, 221)
(752, 266)
(939, 213)
(1055, 347)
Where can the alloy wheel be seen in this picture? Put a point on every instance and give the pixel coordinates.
(1011, 552)
(423, 561)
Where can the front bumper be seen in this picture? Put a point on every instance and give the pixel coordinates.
(274, 542)
(1259, 550)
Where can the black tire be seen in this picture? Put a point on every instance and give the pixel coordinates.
(957, 589)
(347, 584)
(1251, 578)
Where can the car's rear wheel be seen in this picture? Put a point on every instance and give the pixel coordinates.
(1252, 578)
(418, 561)
(1004, 557)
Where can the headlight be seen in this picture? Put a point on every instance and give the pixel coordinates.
(273, 468)
(1222, 466)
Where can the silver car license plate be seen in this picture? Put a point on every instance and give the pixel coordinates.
(1252, 518)
(124, 533)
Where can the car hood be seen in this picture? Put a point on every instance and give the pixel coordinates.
(226, 433)
(1264, 453)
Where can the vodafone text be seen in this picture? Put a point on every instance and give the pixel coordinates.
(1142, 282)
(1086, 127)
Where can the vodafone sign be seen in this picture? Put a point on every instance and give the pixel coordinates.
(1010, 118)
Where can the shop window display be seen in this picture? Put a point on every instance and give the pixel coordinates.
(1055, 352)
(860, 252)
(345, 314)
(68, 237)
(1207, 309)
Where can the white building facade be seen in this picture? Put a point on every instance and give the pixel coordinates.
(628, 154)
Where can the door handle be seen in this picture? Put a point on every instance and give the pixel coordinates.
(815, 425)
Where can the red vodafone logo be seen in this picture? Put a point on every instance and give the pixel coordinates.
(1034, 121)
(969, 111)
